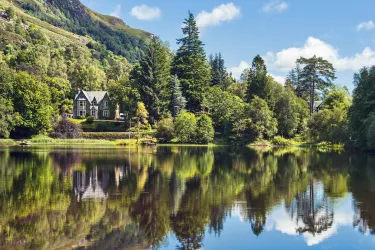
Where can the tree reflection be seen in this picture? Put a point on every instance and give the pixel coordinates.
(135, 197)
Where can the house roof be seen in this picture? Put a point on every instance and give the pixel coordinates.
(91, 95)
(317, 104)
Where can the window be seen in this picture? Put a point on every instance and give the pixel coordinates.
(105, 113)
(93, 113)
(94, 102)
(82, 103)
(82, 113)
(105, 104)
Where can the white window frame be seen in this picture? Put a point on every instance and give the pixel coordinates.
(82, 104)
(105, 113)
(83, 112)
(105, 104)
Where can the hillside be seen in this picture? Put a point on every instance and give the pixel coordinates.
(73, 16)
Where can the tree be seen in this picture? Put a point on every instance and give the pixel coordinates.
(286, 113)
(8, 119)
(141, 114)
(152, 78)
(363, 106)
(31, 99)
(66, 129)
(165, 130)
(257, 122)
(219, 74)
(185, 127)
(256, 79)
(190, 65)
(316, 74)
(293, 80)
(11, 13)
(205, 131)
(223, 107)
(178, 100)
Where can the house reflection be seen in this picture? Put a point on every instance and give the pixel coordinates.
(91, 185)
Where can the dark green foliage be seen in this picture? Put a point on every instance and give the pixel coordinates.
(152, 78)
(219, 74)
(191, 66)
(256, 79)
(205, 131)
(178, 100)
(90, 120)
(116, 135)
(11, 13)
(165, 130)
(316, 74)
(363, 107)
(371, 132)
(8, 119)
(65, 129)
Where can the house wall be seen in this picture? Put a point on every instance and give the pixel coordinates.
(102, 108)
(77, 108)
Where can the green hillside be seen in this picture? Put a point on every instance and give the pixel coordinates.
(74, 17)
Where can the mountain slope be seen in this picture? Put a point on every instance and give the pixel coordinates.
(73, 16)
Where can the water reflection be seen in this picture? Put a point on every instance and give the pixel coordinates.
(185, 198)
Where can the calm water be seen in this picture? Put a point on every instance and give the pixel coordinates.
(186, 198)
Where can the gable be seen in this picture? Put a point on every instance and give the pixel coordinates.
(81, 97)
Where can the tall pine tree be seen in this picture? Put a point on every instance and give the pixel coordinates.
(257, 79)
(178, 100)
(219, 74)
(191, 66)
(152, 78)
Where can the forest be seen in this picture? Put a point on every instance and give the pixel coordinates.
(187, 96)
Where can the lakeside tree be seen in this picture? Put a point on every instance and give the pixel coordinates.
(316, 74)
(152, 78)
(205, 131)
(363, 108)
(185, 127)
(191, 66)
(256, 79)
(178, 100)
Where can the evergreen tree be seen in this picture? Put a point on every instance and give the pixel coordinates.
(219, 74)
(257, 79)
(191, 66)
(152, 77)
(293, 80)
(178, 100)
(317, 74)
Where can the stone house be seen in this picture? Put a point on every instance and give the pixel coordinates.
(92, 103)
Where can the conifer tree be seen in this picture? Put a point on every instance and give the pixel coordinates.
(152, 78)
(219, 75)
(257, 79)
(178, 100)
(191, 66)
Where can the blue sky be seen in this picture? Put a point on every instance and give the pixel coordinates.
(342, 32)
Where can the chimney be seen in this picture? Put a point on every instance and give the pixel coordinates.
(78, 90)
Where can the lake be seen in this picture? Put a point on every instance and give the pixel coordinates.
(186, 198)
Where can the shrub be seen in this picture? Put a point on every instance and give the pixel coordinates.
(66, 129)
(205, 131)
(165, 130)
(90, 119)
(281, 141)
(185, 126)
(115, 135)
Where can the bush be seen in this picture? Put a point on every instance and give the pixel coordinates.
(67, 130)
(89, 119)
(205, 131)
(281, 141)
(185, 127)
(165, 130)
(115, 135)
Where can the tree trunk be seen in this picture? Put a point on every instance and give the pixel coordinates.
(312, 98)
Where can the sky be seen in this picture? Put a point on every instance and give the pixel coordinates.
(340, 31)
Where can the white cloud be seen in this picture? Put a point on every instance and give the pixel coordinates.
(237, 70)
(145, 13)
(222, 13)
(365, 26)
(285, 59)
(275, 7)
(117, 11)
